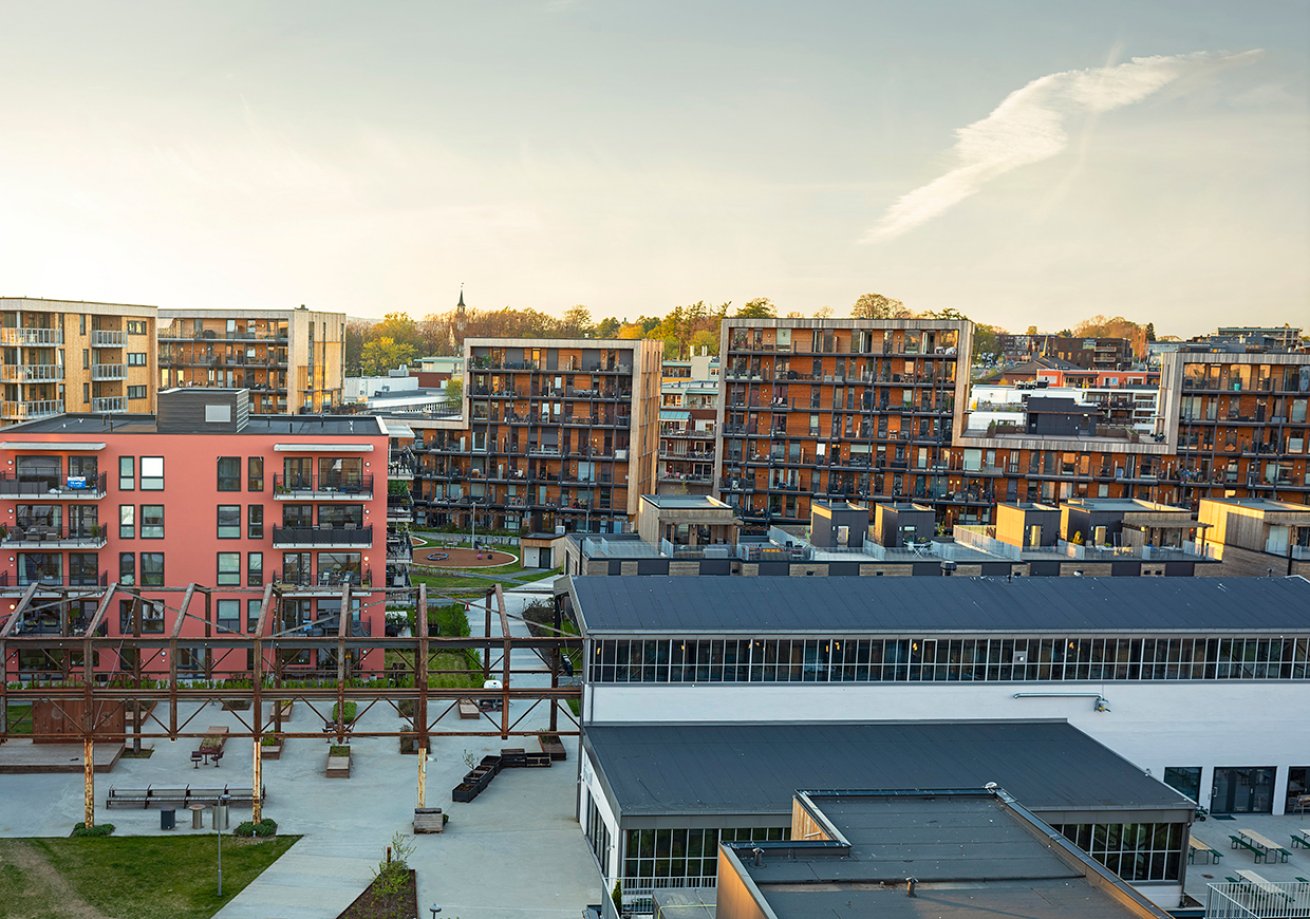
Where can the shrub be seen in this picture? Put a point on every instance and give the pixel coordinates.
(265, 827)
(270, 740)
(100, 829)
(339, 750)
(352, 709)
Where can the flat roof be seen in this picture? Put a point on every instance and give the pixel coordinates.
(289, 425)
(1261, 504)
(755, 768)
(685, 502)
(969, 605)
(970, 854)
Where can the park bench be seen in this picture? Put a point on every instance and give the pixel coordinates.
(1273, 852)
(1240, 843)
(165, 796)
(469, 709)
(1301, 837)
(1199, 848)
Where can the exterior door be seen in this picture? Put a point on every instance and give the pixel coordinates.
(1243, 790)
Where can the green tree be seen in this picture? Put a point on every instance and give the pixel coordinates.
(383, 354)
(1150, 331)
(399, 327)
(759, 308)
(576, 323)
(608, 328)
(878, 306)
(356, 333)
(454, 393)
(704, 339)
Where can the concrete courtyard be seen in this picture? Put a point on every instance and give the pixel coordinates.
(515, 852)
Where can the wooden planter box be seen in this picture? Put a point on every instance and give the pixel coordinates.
(271, 751)
(469, 709)
(553, 746)
(464, 793)
(490, 762)
(428, 820)
(287, 707)
(236, 705)
(409, 745)
(512, 758)
(338, 767)
(537, 760)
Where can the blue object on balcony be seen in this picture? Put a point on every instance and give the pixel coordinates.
(77, 481)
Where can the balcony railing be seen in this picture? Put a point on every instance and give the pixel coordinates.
(32, 373)
(332, 577)
(105, 404)
(31, 336)
(99, 579)
(29, 409)
(108, 372)
(71, 487)
(336, 487)
(36, 536)
(108, 338)
(347, 535)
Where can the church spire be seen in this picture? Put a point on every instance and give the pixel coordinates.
(461, 296)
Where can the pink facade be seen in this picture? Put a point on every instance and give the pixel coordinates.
(87, 506)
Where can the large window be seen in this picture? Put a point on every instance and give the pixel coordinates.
(127, 521)
(152, 569)
(83, 569)
(127, 569)
(1186, 780)
(229, 569)
(255, 521)
(1134, 851)
(255, 473)
(229, 473)
(127, 473)
(229, 615)
(920, 659)
(678, 853)
(40, 567)
(341, 515)
(152, 521)
(229, 521)
(152, 473)
(255, 569)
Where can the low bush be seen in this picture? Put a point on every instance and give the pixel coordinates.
(352, 709)
(270, 740)
(339, 750)
(100, 829)
(265, 827)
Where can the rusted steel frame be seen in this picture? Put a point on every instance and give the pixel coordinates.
(421, 663)
(505, 671)
(343, 630)
(19, 609)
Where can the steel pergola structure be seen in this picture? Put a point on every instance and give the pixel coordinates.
(88, 676)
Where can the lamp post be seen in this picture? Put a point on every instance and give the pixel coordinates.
(473, 521)
(434, 909)
(220, 810)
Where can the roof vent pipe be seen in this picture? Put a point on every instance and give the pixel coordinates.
(757, 856)
(910, 884)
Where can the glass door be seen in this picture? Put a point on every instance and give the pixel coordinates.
(1243, 790)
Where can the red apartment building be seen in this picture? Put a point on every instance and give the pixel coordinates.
(203, 492)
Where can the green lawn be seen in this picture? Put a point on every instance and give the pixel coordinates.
(128, 877)
(20, 718)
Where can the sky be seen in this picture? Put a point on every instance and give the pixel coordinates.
(1031, 162)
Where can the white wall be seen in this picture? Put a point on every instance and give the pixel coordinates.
(1153, 725)
(590, 789)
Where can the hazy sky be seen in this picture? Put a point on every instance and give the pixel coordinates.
(1024, 162)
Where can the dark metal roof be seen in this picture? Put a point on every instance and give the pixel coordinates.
(731, 769)
(286, 425)
(687, 605)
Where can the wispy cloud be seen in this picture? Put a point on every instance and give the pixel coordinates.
(1029, 126)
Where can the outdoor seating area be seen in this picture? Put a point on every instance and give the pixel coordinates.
(1262, 847)
(210, 751)
(1199, 850)
(185, 796)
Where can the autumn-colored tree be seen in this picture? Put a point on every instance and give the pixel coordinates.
(877, 306)
(576, 323)
(630, 331)
(704, 339)
(382, 354)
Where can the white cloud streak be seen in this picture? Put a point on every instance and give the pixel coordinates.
(1029, 126)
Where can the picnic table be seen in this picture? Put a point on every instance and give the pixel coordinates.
(214, 739)
(1262, 884)
(1301, 837)
(1264, 848)
(1199, 848)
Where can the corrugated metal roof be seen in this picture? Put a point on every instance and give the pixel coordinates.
(674, 415)
(923, 605)
(701, 769)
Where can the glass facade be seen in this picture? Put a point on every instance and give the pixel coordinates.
(678, 853)
(1134, 851)
(839, 659)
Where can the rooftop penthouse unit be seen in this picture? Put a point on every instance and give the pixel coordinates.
(1257, 536)
(1197, 676)
(554, 433)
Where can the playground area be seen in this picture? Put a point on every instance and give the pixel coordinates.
(461, 557)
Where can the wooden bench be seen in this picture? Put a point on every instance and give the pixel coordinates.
(1199, 848)
(469, 709)
(1301, 837)
(150, 796)
(1273, 852)
(1240, 843)
(428, 820)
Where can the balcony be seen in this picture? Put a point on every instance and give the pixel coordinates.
(101, 372)
(212, 335)
(323, 488)
(31, 337)
(32, 373)
(328, 580)
(27, 410)
(73, 488)
(89, 536)
(108, 404)
(400, 470)
(108, 338)
(322, 537)
(399, 511)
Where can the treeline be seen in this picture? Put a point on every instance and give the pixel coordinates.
(373, 348)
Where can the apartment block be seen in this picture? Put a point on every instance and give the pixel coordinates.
(71, 356)
(689, 412)
(203, 492)
(554, 433)
(290, 361)
(839, 410)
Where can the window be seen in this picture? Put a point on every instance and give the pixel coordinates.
(229, 473)
(83, 569)
(229, 615)
(137, 392)
(253, 608)
(127, 568)
(255, 569)
(152, 473)
(229, 569)
(126, 521)
(1186, 780)
(136, 359)
(1134, 851)
(127, 473)
(152, 521)
(229, 521)
(255, 473)
(152, 569)
(152, 617)
(136, 327)
(255, 521)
